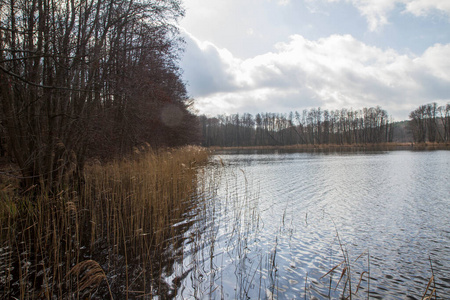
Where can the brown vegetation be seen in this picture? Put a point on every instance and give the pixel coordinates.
(88, 78)
(111, 236)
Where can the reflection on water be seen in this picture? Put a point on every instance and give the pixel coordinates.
(272, 225)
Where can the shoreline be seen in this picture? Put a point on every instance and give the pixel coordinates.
(344, 147)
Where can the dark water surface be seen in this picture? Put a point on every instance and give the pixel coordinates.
(273, 225)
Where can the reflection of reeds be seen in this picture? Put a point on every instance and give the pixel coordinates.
(345, 269)
(231, 211)
(123, 233)
(118, 227)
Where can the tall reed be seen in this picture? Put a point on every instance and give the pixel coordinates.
(107, 239)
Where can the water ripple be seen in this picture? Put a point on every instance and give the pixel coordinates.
(277, 224)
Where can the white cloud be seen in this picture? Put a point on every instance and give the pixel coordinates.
(377, 11)
(423, 7)
(284, 2)
(436, 62)
(210, 68)
(334, 72)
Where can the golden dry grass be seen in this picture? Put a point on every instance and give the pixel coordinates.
(122, 215)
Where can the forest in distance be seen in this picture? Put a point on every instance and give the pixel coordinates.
(97, 79)
(428, 123)
(100, 151)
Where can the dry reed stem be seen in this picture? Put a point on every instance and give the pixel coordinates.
(124, 207)
(433, 291)
(92, 275)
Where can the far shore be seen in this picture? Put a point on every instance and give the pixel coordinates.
(344, 147)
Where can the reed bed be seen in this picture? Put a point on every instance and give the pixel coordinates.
(158, 225)
(107, 239)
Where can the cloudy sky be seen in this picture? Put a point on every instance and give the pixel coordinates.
(287, 55)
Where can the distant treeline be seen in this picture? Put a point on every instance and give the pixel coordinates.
(318, 127)
(314, 126)
(430, 123)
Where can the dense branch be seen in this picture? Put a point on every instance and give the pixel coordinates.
(84, 78)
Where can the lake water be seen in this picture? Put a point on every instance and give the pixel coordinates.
(273, 225)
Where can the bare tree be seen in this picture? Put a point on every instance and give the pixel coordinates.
(76, 72)
(430, 123)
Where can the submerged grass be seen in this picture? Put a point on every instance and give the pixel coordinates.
(106, 239)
